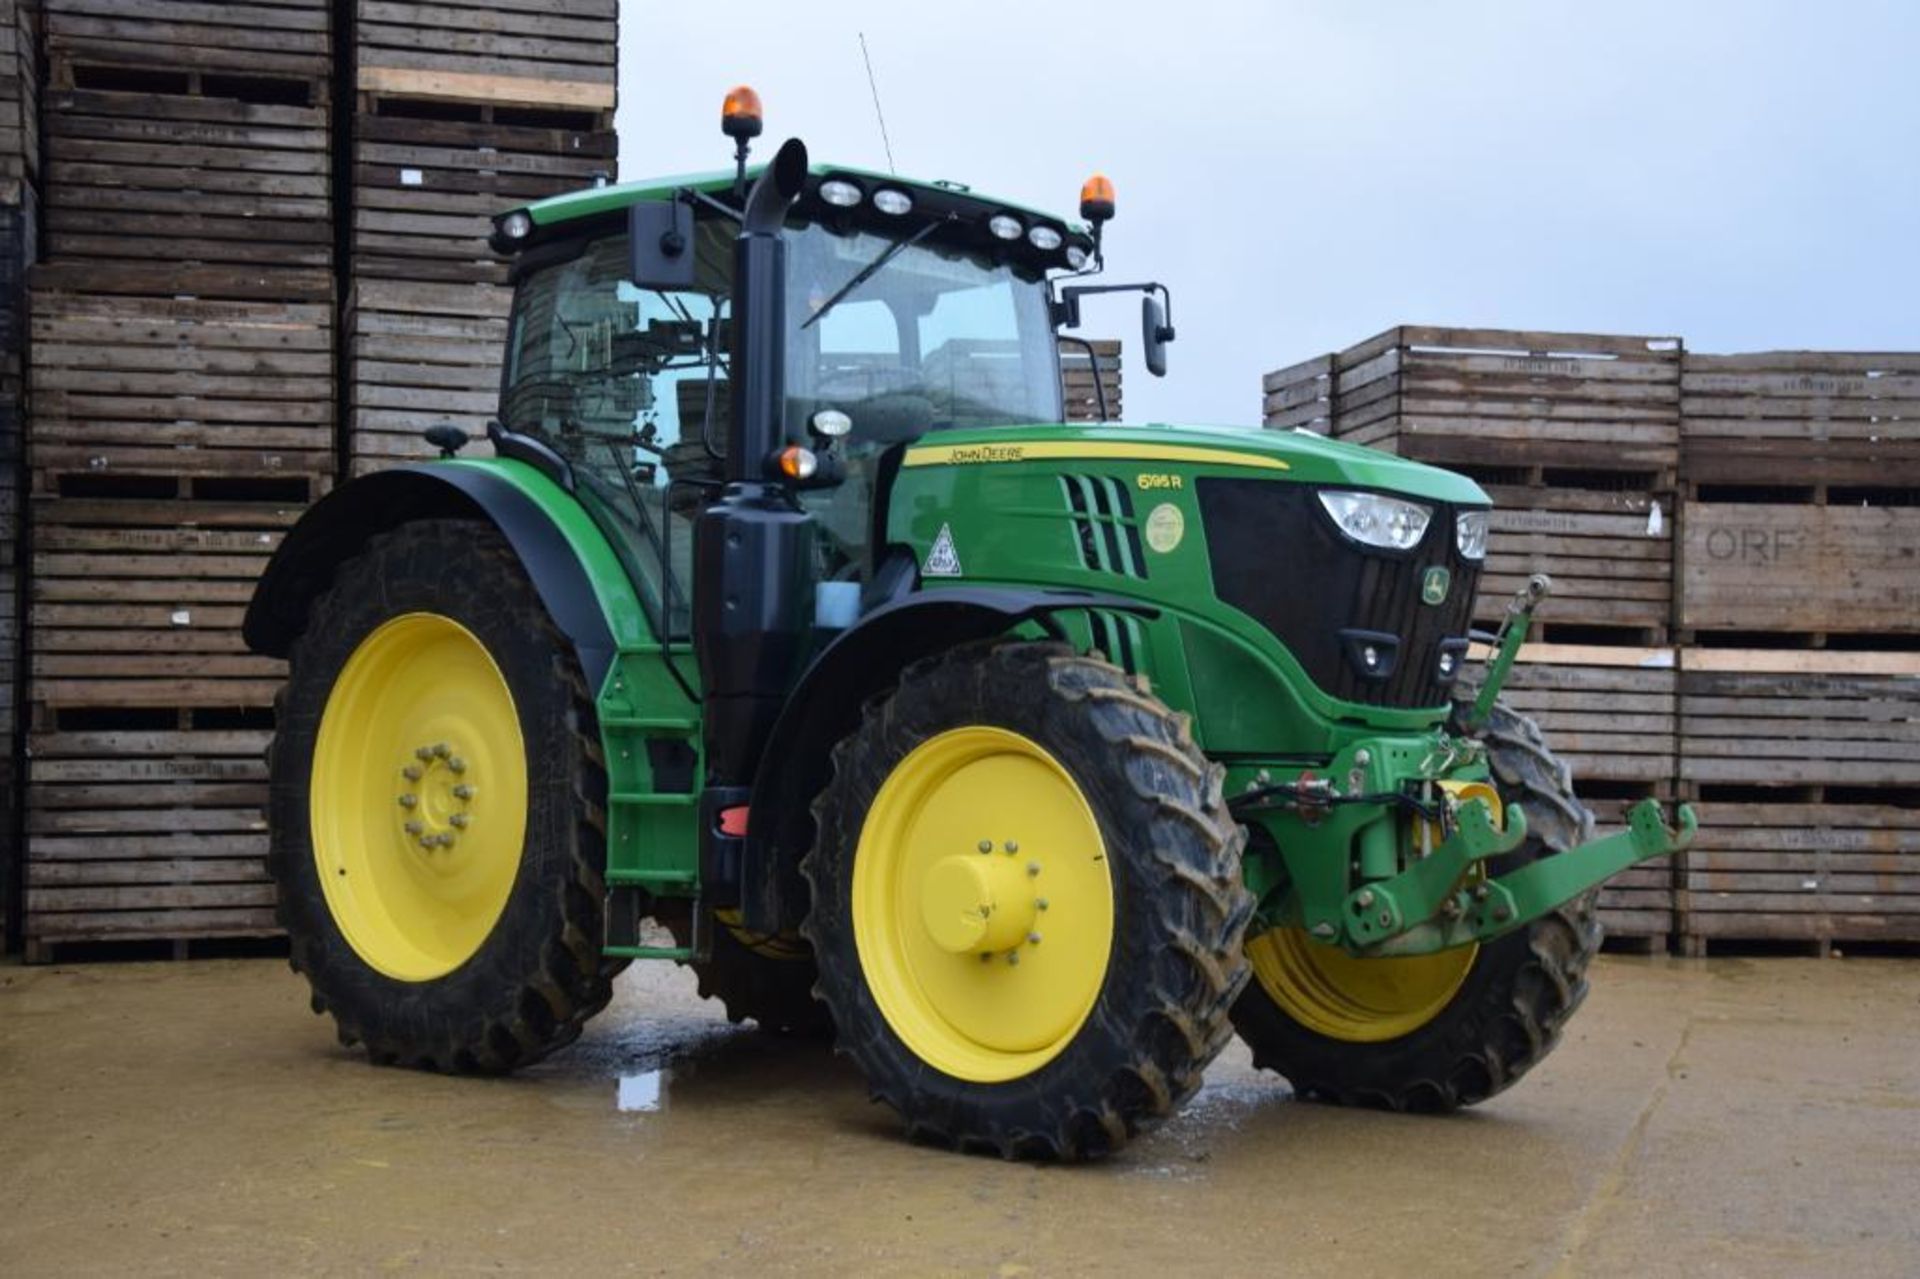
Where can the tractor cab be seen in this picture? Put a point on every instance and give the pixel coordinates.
(908, 308)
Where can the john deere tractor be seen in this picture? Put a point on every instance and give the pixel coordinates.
(788, 633)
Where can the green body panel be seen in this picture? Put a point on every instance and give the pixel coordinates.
(652, 835)
(595, 201)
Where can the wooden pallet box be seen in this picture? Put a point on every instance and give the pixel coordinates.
(1799, 871)
(1495, 397)
(1800, 568)
(19, 99)
(426, 188)
(1608, 546)
(1609, 712)
(1300, 396)
(182, 387)
(140, 833)
(281, 38)
(527, 52)
(1802, 417)
(1812, 719)
(1078, 372)
(259, 190)
(422, 353)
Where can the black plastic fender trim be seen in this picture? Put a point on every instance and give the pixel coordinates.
(336, 527)
(826, 704)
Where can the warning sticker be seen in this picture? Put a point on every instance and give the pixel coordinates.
(943, 560)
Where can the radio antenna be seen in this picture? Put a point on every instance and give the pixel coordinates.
(878, 113)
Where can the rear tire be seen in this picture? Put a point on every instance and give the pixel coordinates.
(525, 985)
(1093, 792)
(1511, 1005)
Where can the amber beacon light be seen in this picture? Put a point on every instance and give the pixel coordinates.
(740, 116)
(1096, 198)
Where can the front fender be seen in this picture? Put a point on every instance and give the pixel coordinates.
(826, 705)
(547, 528)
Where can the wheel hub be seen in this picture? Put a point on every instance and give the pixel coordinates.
(979, 903)
(436, 798)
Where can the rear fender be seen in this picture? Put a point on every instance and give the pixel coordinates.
(567, 558)
(826, 705)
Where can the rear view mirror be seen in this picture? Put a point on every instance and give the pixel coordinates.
(660, 235)
(1155, 333)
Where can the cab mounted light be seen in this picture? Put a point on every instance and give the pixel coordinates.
(1097, 207)
(740, 119)
(797, 462)
(1044, 238)
(1004, 226)
(839, 193)
(892, 202)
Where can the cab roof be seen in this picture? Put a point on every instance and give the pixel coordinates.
(595, 201)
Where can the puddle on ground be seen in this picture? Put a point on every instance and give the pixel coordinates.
(643, 1093)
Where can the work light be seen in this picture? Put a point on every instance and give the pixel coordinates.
(840, 194)
(1006, 226)
(892, 202)
(1044, 238)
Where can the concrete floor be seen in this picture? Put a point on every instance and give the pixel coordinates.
(1720, 1117)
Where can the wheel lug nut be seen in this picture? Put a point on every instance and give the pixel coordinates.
(411, 772)
(408, 801)
(460, 820)
(457, 764)
(986, 845)
(1012, 847)
(441, 750)
(1033, 868)
(423, 753)
(463, 791)
(1041, 904)
(1013, 957)
(1033, 938)
(414, 828)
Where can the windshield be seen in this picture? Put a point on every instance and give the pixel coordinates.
(936, 338)
(630, 385)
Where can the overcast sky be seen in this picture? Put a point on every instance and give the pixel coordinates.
(1306, 174)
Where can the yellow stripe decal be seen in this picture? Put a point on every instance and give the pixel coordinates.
(1115, 450)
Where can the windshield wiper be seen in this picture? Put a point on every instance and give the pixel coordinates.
(872, 268)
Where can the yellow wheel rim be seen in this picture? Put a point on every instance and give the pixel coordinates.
(982, 904)
(1367, 1001)
(418, 799)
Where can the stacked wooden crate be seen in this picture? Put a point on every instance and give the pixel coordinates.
(1576, 437)
(1800, 681)
(182, 373)
(1081, 363)
(19, 182)
(462, 109)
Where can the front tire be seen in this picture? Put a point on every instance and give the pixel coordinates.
(437, 804)
(1435, 1032)
(1027, 904)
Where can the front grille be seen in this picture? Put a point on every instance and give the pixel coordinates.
(1277, 557)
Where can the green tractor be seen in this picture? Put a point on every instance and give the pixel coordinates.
(791, 635)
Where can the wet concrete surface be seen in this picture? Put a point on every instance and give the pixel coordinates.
(1741, 1117)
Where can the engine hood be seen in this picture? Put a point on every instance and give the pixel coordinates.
(1293, 455)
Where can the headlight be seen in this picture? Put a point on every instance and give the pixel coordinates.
(517, 225)
(1076, 257)
(1005, 226)
(892, 202)
(1374, 520)
(1470, 533)
(1044, 238)
(840, 194)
